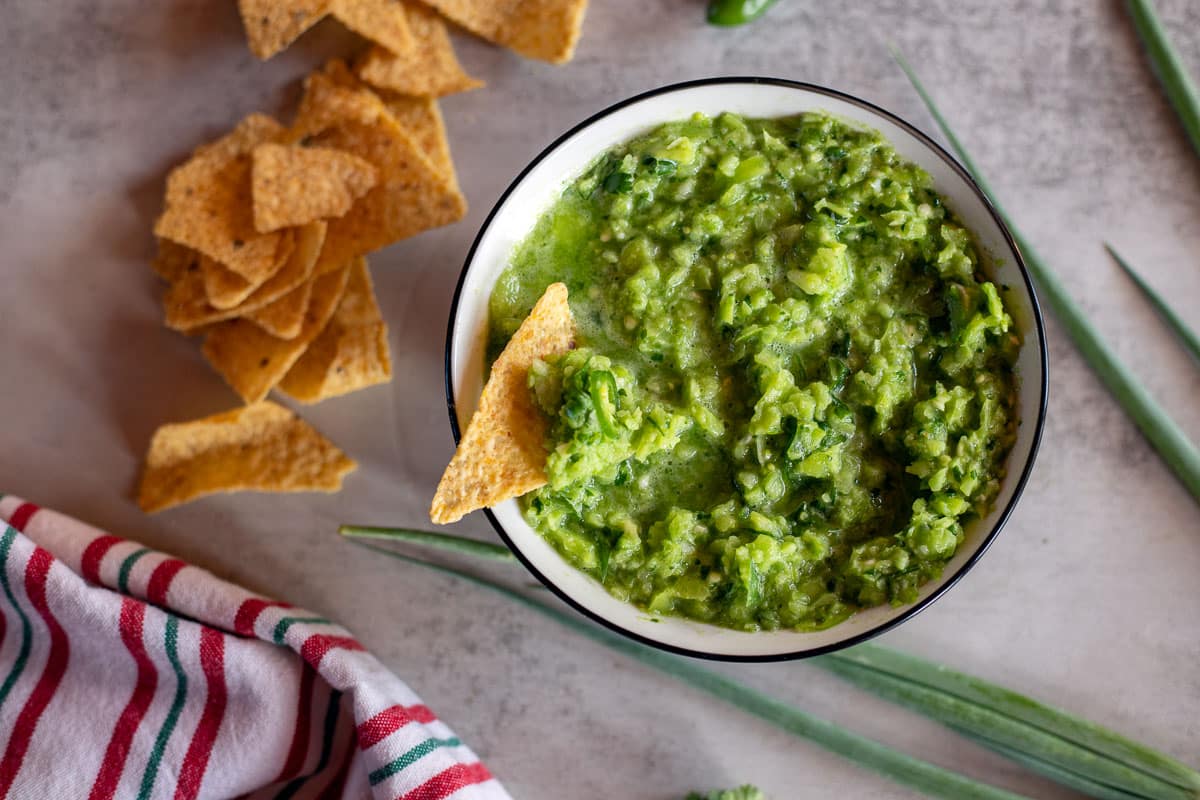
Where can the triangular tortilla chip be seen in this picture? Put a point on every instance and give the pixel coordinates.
(227, 289)
(173, 261)
(284, 318)
(186, 301)
(271, 25)
(209, 207)
(502, 455)
(254, 129)
(422, 120)
(294, 185)
(427, 69)
(251, 360)
(381, 21)
(351, 353)
(411, 195)
(418, 116)
(262, 447)
(542, 29)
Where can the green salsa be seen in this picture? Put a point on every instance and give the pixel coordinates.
(794, 384)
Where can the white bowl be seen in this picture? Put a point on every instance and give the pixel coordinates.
(537, 187)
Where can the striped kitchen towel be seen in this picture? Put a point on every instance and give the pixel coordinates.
(130, 674)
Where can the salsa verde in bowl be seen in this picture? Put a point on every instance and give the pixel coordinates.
(805, 345)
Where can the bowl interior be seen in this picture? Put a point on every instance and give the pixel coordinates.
(538, 188)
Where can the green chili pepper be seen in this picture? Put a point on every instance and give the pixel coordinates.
(729, 13)
(602, 387)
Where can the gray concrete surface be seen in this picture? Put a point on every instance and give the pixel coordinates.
(1089, 599)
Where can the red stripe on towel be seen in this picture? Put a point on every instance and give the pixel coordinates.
(133, 616)
(56, 664)
(212, 661)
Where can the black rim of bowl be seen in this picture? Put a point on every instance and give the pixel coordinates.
(908, 612)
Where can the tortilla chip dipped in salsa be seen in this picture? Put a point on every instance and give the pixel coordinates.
(502, 455)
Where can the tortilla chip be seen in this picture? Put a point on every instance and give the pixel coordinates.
(209, 208)
(410, 197)
(418, 116)
(251, 360)
(427, 69)
(294, 185)
(254, 129)
(271, 25)
(262, 447)
(422, 120)
(542, 29)
(284, 318)
(381, 21)
(502, 455)
(351, 353)
(186, 301)
(174, 261)
(224, 288)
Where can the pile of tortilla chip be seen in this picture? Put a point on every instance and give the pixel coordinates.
(264, 234)
(410, 37)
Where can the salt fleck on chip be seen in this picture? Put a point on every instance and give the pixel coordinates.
(502, 455)
(294, 185)
(262, 447)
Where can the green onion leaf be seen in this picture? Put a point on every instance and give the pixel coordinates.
(1177, 325)
(440, 541)
(929, 779)
(1019, 707)
(1080, 783)
(1161, 431)
(1173, 76)
(980, 717)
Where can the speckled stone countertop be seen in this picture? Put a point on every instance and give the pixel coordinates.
(1088, 599)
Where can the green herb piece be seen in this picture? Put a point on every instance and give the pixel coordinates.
(1177, 325)
(740, 793)
(660, 166)
(440, 541)
(1161, 431)
(602, 388)
(1123, 771)
(730, 13)
(1173, 76)
(618, 182)
(929, 779)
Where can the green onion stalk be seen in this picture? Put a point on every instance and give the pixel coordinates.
(1158, 428)
(1067, 749)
